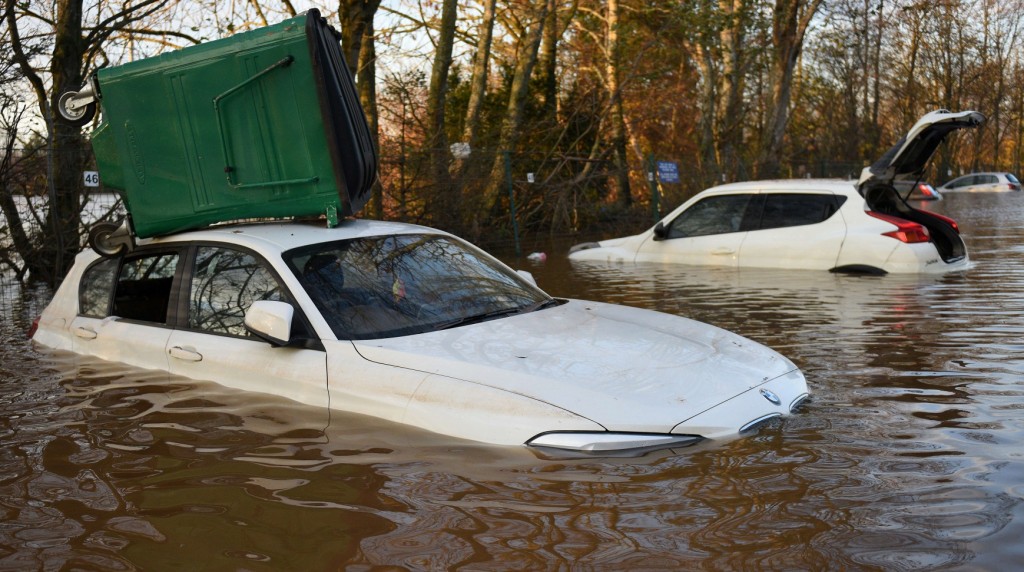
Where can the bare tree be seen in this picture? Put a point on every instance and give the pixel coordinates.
(790, 20)
(74, 48)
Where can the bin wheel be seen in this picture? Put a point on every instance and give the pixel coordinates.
(78, 116)
(103, 241)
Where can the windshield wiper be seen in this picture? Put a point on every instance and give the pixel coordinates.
(539, 306)
(476, 318)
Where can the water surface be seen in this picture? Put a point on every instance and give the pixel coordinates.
(907, 457)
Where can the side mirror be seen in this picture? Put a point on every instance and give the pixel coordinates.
(270, 321)
(659, 231)
(526, 275)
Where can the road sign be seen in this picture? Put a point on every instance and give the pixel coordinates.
(92, 178)
(668, 171)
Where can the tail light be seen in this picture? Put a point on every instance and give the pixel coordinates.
(945, 219)
(906, 231)
(33, 328)
(1014, 186)
(926, 189)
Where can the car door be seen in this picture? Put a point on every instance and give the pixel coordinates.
(708, 232)
(125, 309)
(211, 341)
(795, 230)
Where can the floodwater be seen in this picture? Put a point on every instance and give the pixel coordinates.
(908, 456)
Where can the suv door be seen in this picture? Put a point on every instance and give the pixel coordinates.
(212, 343)
(708, 232)
(795, 230)
(124, 308)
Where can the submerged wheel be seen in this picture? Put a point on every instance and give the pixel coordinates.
(75, 116)
(103, 241)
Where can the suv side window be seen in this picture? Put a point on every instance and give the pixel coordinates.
(792, 209)
(961, 182)
(144, 287)
(96, 288)
(225, 282)
(713, 215)
(987, 180)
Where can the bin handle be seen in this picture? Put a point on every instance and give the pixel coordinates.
(225, 143)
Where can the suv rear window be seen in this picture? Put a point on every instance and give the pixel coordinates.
(796, 209)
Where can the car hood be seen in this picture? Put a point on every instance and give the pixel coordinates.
(625, 368)
(910, 155)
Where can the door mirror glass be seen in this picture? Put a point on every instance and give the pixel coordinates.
(271, 321)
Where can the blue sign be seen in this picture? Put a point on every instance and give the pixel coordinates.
(668, 172)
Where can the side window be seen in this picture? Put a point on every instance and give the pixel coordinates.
(713, 215)
(988, 180)
(144, 287)
(782, 209)
(96, 288)
(225, 282)
(961, 182)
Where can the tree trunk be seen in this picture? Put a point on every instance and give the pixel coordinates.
(367, 85)
(733, 39)
(790, 21)
(478, 83)
(547, 64)
(441, 204)
(618, 126)
(529, 44)
(67, 146)
(357, 43)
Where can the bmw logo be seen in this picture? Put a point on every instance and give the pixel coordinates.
(770, 396)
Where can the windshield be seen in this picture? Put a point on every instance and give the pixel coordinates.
(387, 286)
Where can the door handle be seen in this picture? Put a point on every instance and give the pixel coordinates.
(186, 354)
(85, 333)
(723, 251)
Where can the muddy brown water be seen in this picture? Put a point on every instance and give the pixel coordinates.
(908, 456)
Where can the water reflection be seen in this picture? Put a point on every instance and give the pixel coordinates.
(906, 458)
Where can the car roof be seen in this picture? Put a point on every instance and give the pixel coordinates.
(285, 235)
(837, 186)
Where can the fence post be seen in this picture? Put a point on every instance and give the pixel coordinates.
(653, 183)
(512, 199)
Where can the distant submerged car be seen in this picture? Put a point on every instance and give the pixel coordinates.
(914, 190)
(833, 225)
(983, 183)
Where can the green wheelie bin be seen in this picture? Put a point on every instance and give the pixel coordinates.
(265, 123)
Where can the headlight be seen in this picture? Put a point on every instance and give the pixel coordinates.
(798, 402)
(610, 442)
(751, 424)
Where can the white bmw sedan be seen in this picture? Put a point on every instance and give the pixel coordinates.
(416, 326)
(842, 226)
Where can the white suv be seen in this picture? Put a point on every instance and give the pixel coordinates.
(842, 226)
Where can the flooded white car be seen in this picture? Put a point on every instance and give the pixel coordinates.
(416, 326)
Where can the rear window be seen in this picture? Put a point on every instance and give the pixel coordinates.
(797, 209)
(96, 288)
(144, 287)
(1010, 177)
